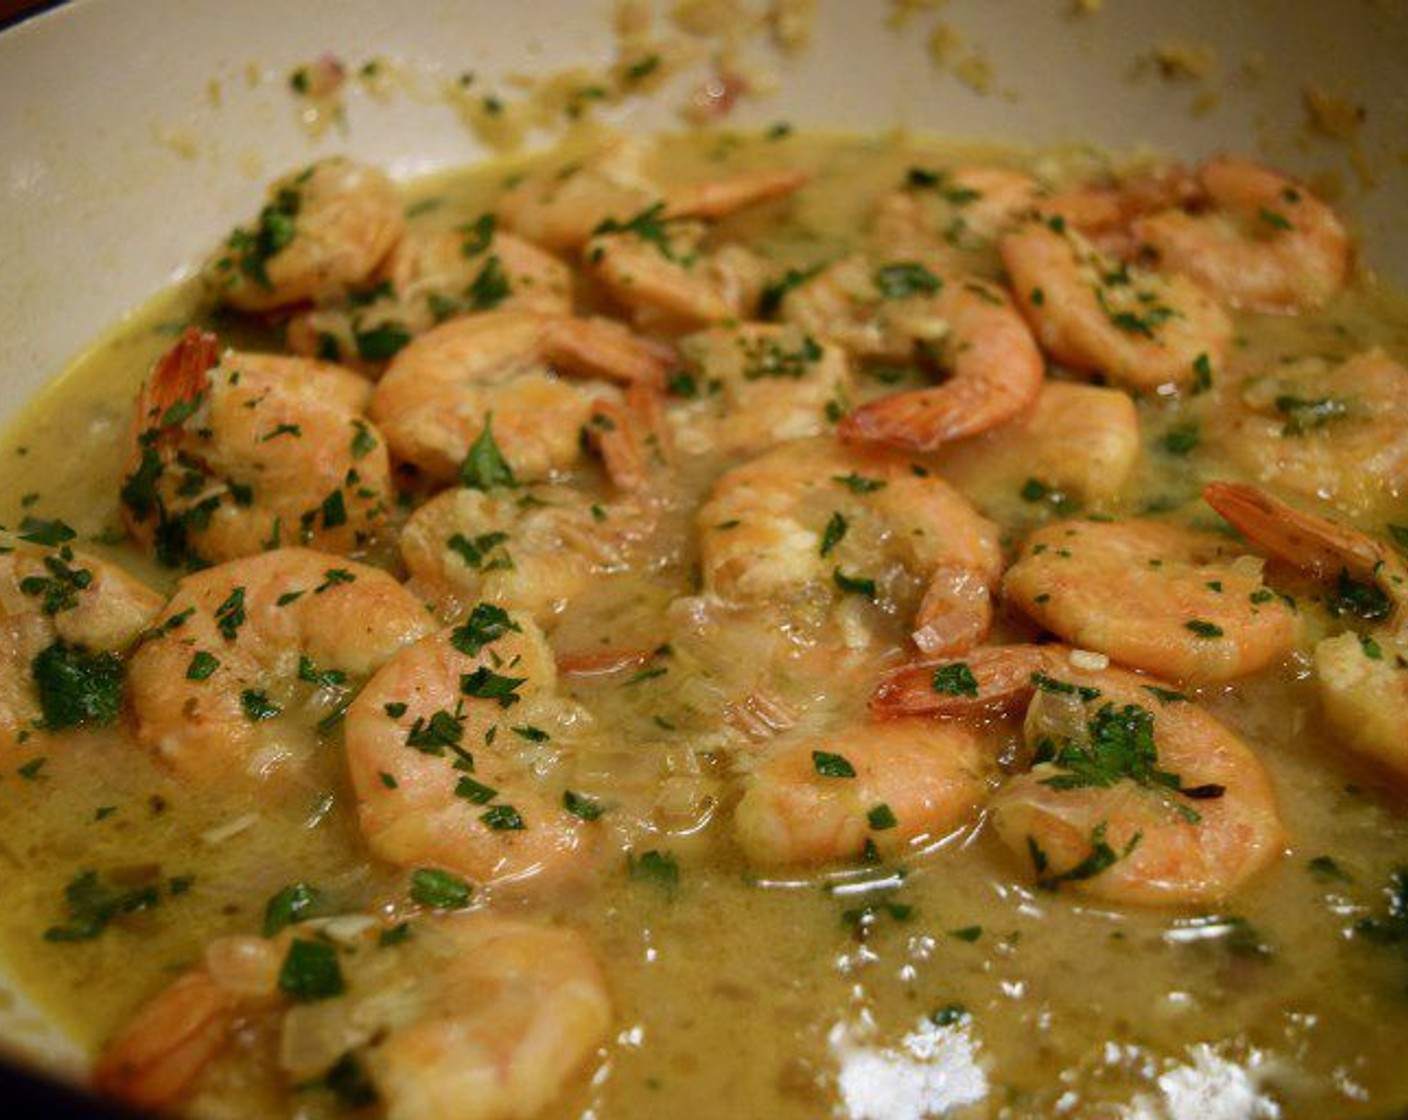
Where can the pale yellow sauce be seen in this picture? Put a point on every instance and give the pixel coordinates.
(745, 995)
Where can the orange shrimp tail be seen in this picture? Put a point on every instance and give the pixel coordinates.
(721, 197)
(178, 376)
(990, 681)
(159, 1054)
(1304, 540)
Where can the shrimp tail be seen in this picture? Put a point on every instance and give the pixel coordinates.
(152, 1062)
(603, 348)
(719, 198)
(178, 378)
(630, 437)
(991, 681)
(1304, 540)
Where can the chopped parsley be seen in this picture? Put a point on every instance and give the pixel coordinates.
(900, 281)
(503, 818)
(93, 903)
(1203, 628)
(773, 294)
(296, 902)
(854, 585)
(202, 666)
(1362, 600)
(580, 805)
(766, 358)
(311, 971)
(438, 889)
(656, 868)
(484, 553)
(381, 342)
(649, 225)
(485, 684)
(485, 625)
(834, 533)
(257, 706)
(830, 765)
(955, 680)
(77, 687)
(485, 468)
(881, 817)
(859, 484)
(477, 793)
(230, 615)
(1304, 415)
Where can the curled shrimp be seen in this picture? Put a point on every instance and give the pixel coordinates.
(1337, 432)
(429, 277)
(1154, 596)
(745, 388)
(235, 453)
(442, 777)
(669, 282)
(997, 374)
(532, 550)
(1252, 237)
(60, 608)
(1140, 329)
(1135, 794)
(560, 208)
(940, 213)
(244, 643)
(472, 1017)
(323, 232)
(813, 522)
(889, 787)
(436, 399)
(1360, 678)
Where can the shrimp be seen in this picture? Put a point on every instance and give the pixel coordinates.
(888, 787)
(662, 275)
(236, 453)
(955, 208)
(1360, 679)
(997, 377)
(1253, 238)
(242, 643)
(447, 776)
(1140, 329)
(1135, 794)
(1077, 440)
(61, 611)
(1334, 432)
(814, 521)
(560, 208)
(472, 1017)
(429, 277)
(323, 232)
(439, 393)
(1154, 596)
(748, 387)
(532, 550)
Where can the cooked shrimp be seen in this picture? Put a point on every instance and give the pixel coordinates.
(668, 281)
(236, 453)
(1078, 440)
(473, 1017)
(228, 654)
(427, 278)
(1136, 794)
(1334, 432)
(59, 606)
(751, 386)
(559, 208)
(1140, 329)
(894, 786)
(322, 233)
(997, 374)
(441, 777)
(532, 550)
(941, 211)
(440, 393)
(813, 521)
(1360, 679)
(1254, 238)
(1154, 596)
